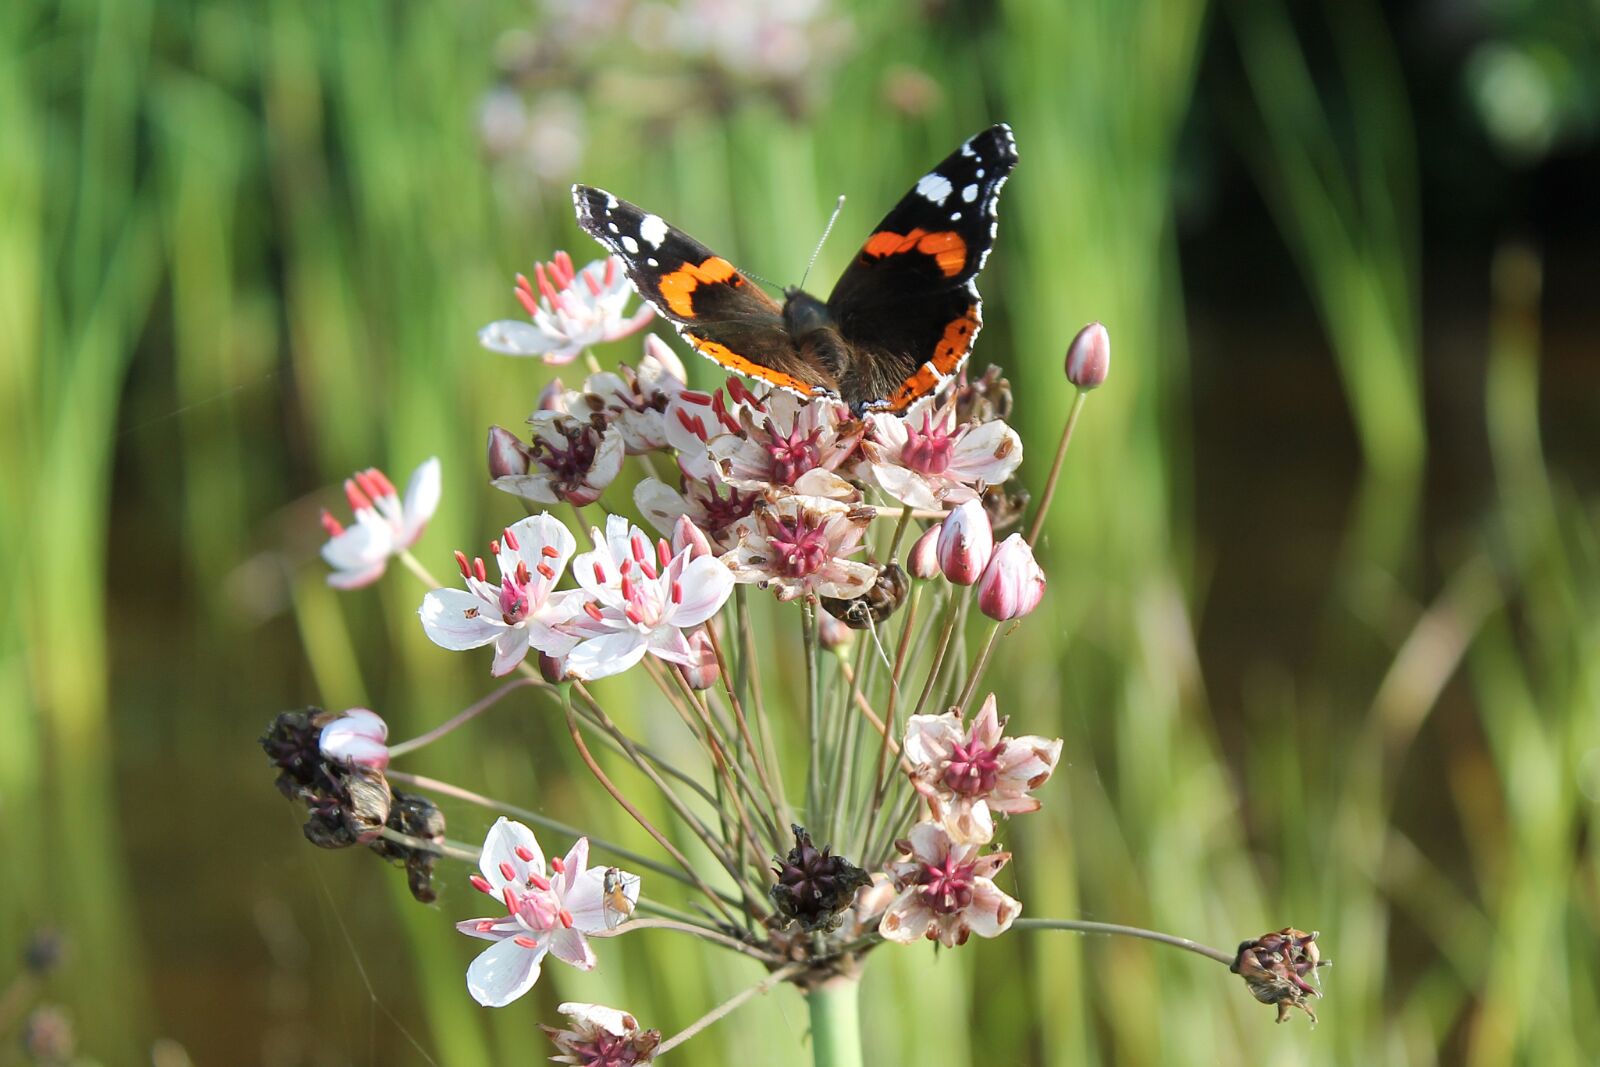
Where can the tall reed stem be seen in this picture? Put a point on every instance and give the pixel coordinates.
(835, 1008)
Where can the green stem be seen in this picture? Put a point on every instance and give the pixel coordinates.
(836, 1023)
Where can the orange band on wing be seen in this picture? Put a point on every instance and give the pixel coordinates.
(677, 288)
(948, 248)
(947, 356)
(725, 356)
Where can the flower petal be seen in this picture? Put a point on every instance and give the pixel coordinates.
(422, 500)
(706, 583)
(457, 620)
(572, 947)
(510, 649)
(585, 901)
(503, 972)
(501, 845)
(512, 338)
(601, 657)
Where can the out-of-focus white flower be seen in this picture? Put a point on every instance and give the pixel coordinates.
(571, 459)
(547, 912)
(797, 545)
(1013, 583)
(358, 738)
(925, 460)
(947, 891)
(602, 1037)
(638, 597)
(966, 541)
(521, 611)
(571, 311)
(384, 524)
(635, 402)
(970, 774)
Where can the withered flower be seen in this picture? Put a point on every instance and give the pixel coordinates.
(415, 816)
(814, 888)
(1276, 965)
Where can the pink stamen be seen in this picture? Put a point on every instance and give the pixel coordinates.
(544, 569)
(523, 284)
(611, 271)
(494, 547)
(549, 551)
(355, 496)
(511, 539)
(566, 918)
(509, 896)
(539, 882)
(461, 561)
(599, 573)
(545, 288)
(593, 611)
(558, 864)
(593, 283)
(524, 853)
(529, 304)
(332, 525)
(664, 553)
(381, 480)
(508, 872)
(677, 592)
(632, 615)
(522, 575)
(483, 926)
(479, 569)
(480, 883)
(648, 568)
(627, 587)
(526, 941)
(564, 262)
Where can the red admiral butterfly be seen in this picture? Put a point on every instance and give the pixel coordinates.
(900, 320)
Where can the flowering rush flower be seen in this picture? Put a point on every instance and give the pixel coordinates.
(924, 460)
(571, 311)
(546, 912)
(357, 738)
(947, 891)
(634, 401)
(969, 775)
(782, 440)
(601, 1037)
(571, 459)
(385, 525)
(637, 597)
(796, 546)
(521, 611)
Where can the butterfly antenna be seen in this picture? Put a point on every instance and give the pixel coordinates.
(825, 231)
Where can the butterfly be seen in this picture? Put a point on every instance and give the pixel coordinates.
(900, 321)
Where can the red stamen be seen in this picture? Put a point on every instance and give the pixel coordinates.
(633, 616)
(461, 561)
(526, 941)
(677, 592)
(625, 567)
(640, 545)
(524, 853)
(627, 587)
(548, 551)
(648, 568)
(494, 547)
(484, 925)
(508, 872)
(479, 569)
(355, 496)
(523, 283)
(664, 553)
(509, 896)
(544, 569)
(522, 576)
(593, 611)
(480, 883)
(381, 480)
(694, 396)
(564, 262)
(529, 304)
(539, 882)
(511, 539)
(611, 271)
(594, 285)
(566, 918)
(332, 525)
(558, 864)
(545, 287)
(599, 573)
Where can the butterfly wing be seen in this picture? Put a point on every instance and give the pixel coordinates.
(908, 303)
(722, 314)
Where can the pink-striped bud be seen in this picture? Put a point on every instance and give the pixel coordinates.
(1089, 357)
(702, 671)
(966, 541)
(685, 534)
(553, 396)
(356, 739)
(552, 669)
(1012, 584)
(924, 559)
(507, 454)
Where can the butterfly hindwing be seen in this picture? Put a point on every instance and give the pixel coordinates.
(908, 303)
(720, 312)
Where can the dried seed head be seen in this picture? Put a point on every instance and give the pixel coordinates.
(813, 887)
(1276, 966)
(415, 816)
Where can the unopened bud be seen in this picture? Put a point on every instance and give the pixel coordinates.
(552, 669)
(833, 634)
(1089, 357)
(702, 671)
(966, 541)
(1275, 966)
(508, 456)
(686, 534)
(923, 562)
(553, 396)
(357, 738)
(1013, 584)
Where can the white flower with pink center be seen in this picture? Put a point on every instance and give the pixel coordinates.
(925, 460)
(571, 459)
(637, 597)
(712, 506)
(547, 912)
(518, 613)
(971, 774)
(572, 310)
(694, 418)
(789, 442)
(385, 525)
(634, 401)
(947, 891)
(797, 546)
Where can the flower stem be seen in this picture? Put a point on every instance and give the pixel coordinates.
(836, 1023)
(1118, 930)
(780, 975)
(461, 719)
(1055, 468)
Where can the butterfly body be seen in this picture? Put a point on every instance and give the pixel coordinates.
(899, 322)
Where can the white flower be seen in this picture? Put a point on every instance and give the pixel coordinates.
(521, 610)
(790, 442)
(357, 738)
(634, 402)
(573, 310)
(384, 524)
(571, 459)
(545, 912)
(924, 460)
(970, 774)
(946, 891)
(797, 545)
(638, 597)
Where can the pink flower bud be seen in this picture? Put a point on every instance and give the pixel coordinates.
(552, 669)
(685, 534)
(833, 634)
(356, 739)
(966, 540)
(553, 396)
(924, 559)
(702, 672)
(507, 454)
(1013, 584)
(1089, 357)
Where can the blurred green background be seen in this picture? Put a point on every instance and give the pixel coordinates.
(1325, 573)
